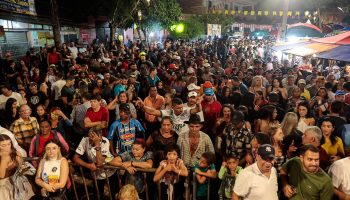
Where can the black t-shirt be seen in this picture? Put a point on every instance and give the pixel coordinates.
(67, 92)
(36, 99)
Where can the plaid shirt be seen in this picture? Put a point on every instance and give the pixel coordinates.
(24, 131)
(238, 142)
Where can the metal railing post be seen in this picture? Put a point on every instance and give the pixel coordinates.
(84, 181)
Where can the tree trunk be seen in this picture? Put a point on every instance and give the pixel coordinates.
(139, 33)
(144, 31)
(113, 28)
(55, 22)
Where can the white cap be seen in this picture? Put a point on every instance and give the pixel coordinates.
(192, 94)
(335, 67)
(206, 65)
(190, 70)
(192, 86)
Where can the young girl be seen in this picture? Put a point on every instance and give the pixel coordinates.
(228, 172)
(204, 169)
(169, 172)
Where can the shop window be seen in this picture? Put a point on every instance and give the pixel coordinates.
(4, 23)
(19, 25)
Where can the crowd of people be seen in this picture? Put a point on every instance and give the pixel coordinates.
(226, 114)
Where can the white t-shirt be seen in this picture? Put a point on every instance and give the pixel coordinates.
(57, 87)
(86, 148)
(251, 184)
(74, 52)
(14, 95)
(198, 113)
(340, 174)
(178, 120)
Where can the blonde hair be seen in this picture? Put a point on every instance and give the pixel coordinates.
(254, 81)
(128, 192)
(289, 122)
(59, 154)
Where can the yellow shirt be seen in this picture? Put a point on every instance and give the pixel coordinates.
(306, 94)
(334, 150)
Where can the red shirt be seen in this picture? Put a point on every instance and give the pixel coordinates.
(211, 112)
(101, 115)
(53, 58)
(42, 142)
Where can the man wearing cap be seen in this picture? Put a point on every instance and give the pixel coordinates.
(259, 180)
(96, 149)
(123, 132)
(193, 142)
(178, 114)
(302, 178)
(191, 103)
(304, 92)
(237, 137)
(211, 111)
(217, 70)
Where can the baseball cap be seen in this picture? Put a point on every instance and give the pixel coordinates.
(302, 81)
(193, 86)
(207, 84)
(206, 65)
(172, 66)
(124, 107)
(266, 151)
(192, 94)
(209, 91)
(339, 92)
(190, 70)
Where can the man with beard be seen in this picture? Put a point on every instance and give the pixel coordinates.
(302, 177)
(259, 180)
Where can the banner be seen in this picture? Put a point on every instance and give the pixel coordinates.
(18, 6)
(214, 30)
(275, 13)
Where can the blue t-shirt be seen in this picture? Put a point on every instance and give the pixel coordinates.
(123, 135)
(118, 89)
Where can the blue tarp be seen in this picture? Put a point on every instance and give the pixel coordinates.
(289, 46)
(341, 53)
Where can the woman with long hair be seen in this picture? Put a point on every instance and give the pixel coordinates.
(257, 85)
(259, 100)
(278, 88)
(293, 137)
(332, 144)
(225, 96)
(13, 184)
(224, 119)
(268, 115)
(277, 135)
(320, 102)
(52, 173)
(10, 114)
(305, 118)
(168, 99)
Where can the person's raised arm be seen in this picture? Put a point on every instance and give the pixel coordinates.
(147, 109)
(198, 107)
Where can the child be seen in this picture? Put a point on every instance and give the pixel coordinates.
(227, 174)
(169, 172)
(204, 169)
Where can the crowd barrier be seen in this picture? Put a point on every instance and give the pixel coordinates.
(190, 181)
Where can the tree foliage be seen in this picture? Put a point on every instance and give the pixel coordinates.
(193, 28)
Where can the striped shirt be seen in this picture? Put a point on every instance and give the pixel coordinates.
(24, 131)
